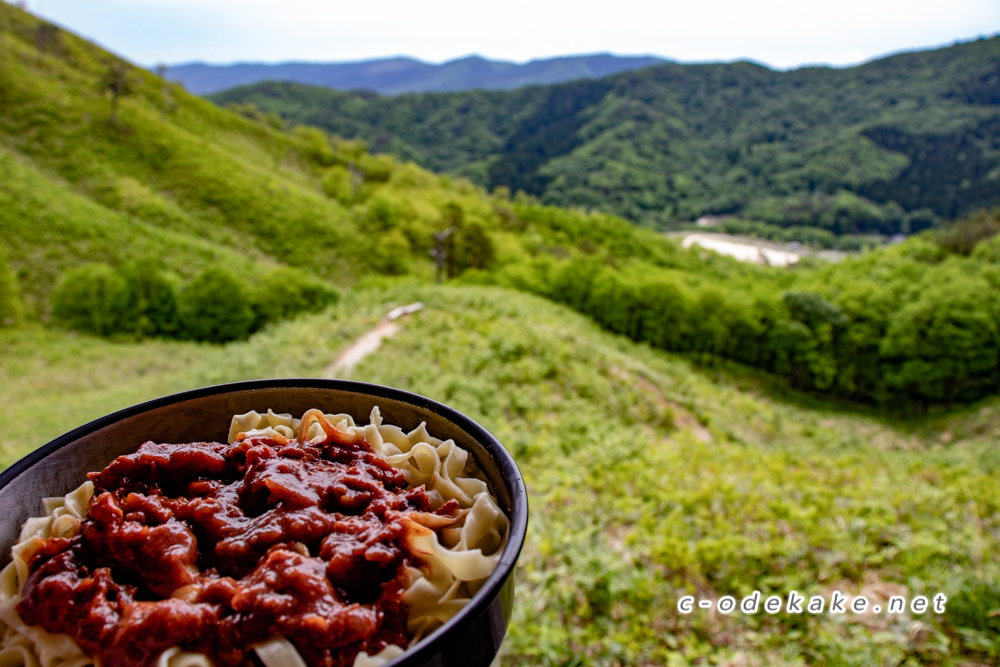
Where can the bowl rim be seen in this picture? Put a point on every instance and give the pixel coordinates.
(479, 603)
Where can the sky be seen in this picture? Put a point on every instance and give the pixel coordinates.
(780, 33)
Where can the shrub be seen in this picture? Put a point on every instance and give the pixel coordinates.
(963, 238)
(315, 145)
(216, 307)
(382, 214)
(472, 249)
(152, 308)
(377, 168)
(337, 184)
(284, 292)
(391, 253)
(93, 298)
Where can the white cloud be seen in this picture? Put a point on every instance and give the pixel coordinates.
(782, 33)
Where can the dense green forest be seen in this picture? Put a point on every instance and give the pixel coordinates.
(767, 423)
(890, 146)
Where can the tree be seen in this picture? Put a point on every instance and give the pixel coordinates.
(963, 238)
(467, 246)
(440, 252)
(381, 214)
(711, 327)
(285, 292)
(615, 303)
(868, 305)
(215, 307)
(666, 312)
(786, 349)
(573, 280)
(473, 249)
(152, 299)
(826, 323)
(315, 145)
(117, 81)
(944, 346)
(93, 298)
(453, 218)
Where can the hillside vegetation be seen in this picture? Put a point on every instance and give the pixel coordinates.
(890, 146)
(222, 201)
(648, 479)
(170, 175)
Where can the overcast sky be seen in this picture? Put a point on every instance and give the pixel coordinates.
(780, 33)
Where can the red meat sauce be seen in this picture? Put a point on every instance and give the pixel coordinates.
(215, 548)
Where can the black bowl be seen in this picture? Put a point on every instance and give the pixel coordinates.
(470, 639)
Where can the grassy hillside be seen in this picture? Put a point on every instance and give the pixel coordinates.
(175, 176)
(888, 146)
(170, 175)
(708, 483)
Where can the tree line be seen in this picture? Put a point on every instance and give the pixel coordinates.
(908, 327)
(142, 300)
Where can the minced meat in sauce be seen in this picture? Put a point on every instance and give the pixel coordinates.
(216, 548)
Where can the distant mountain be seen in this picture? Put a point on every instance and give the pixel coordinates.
(392, 76)
(890, 146)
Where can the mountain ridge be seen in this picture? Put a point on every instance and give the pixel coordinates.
(891, 146)
(402, 74)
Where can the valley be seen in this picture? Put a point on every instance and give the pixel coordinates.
(686, 423)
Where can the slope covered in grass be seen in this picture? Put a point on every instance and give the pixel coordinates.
(175, 176)
(170, 174)
(648, 478)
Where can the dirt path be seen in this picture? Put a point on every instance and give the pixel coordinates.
(367, 343)
(683, 419)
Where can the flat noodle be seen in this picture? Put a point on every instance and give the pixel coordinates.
(27, 644)
(174, 657)
(390, 652)
(280, 652)
(449, 573)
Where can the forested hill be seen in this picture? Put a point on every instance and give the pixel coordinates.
(892, 145)
(391, 76)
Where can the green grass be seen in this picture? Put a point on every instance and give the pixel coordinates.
(648, 477)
